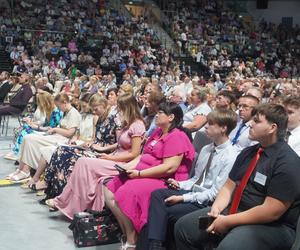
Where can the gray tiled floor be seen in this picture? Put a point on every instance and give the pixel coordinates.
(24, 223)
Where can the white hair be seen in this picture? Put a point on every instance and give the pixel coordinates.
(179, 92)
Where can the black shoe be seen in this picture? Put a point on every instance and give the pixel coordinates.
(17, 163)
(43, 201)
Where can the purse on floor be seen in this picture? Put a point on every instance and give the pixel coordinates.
(92, 228)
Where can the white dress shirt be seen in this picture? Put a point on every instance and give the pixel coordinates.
(221, 164)
(294, 140)
(243, 140)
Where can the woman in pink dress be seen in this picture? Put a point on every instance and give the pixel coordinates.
(84, 189)
(167, 153)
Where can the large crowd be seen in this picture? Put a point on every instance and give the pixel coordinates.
(220, 39)
(96, 90)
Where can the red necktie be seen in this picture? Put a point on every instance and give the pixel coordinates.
(239, 190)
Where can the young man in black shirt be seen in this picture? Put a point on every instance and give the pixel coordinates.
(259, 205)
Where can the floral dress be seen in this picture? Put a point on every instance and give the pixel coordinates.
(65, 157)
(54, 121)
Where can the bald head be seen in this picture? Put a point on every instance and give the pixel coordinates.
(256, 92)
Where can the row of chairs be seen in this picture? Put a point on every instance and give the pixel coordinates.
(5, 120)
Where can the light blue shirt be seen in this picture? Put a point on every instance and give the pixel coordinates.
(222, 162)
(243, 140)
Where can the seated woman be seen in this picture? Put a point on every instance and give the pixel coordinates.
(65, 157)
(195, 116)
(46, 116)
(125, 88)
(151, 108)
(74, 90)
(92, 85)
(167, 153)
(112, 96)
(85, 134)
(31, 147)
(84, 189)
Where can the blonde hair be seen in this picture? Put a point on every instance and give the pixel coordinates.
(129, 108)
(62, 97)
(45, 103)
(127, 88)
(97, 99)
(94, 79)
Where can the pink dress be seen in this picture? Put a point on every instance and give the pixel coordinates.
(84, 188)
(133, 195)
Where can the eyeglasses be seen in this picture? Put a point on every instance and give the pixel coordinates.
(244, 106)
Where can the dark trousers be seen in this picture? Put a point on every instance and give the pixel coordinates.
(9, 110)
(161, 214)
(188, 236)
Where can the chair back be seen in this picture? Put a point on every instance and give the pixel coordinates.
(200, 140)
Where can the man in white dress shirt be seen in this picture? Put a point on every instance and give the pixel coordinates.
(211, 171)
(292, 107)
(239, 136)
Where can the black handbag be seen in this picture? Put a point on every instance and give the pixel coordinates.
(92, 228)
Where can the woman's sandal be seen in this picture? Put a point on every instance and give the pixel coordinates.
(21, 176)
(34, 186)
(43, 201)
(127, 246)
(50, 204)
(8, 177)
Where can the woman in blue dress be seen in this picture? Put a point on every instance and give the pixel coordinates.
(47, 115)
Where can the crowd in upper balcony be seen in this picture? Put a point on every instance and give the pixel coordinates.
(218, 38)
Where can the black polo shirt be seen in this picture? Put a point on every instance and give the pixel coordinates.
(277, 174)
